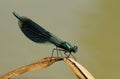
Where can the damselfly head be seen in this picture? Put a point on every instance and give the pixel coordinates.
(74, 49)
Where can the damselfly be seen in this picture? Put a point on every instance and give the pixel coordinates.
(38, 34)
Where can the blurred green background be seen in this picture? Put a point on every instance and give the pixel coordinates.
(93, 25)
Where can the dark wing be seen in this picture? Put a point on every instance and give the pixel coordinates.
(38, 34)
(34, 32)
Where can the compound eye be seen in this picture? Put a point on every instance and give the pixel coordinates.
(74, 49)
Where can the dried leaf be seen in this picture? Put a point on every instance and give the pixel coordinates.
(40, 64)
(78, 69)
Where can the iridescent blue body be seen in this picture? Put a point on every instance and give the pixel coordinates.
(39, 35)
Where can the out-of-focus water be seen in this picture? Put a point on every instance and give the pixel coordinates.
(90, 24)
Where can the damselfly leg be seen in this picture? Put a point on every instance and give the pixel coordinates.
(60, 51)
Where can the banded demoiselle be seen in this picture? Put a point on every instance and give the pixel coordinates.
(38, 34)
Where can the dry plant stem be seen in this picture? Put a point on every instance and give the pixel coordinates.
(78, 69)
(40, 64)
